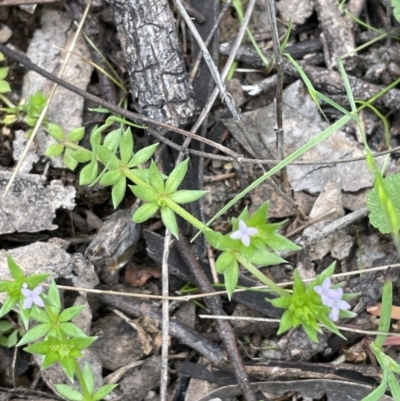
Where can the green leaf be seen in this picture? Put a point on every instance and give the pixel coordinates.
(107, 157)
(35, 333)
(8, 304)
(144, 193)
(224, 261)
(5, 326)
(68, 392)
(16, 272)
(69, 160)
(54, 150)
(69, 313)
(111, 141)
(68, 364)
(56, 132)
(260, 216)
(231, 275)
(145, 212)
(156, 180)
(286, 322)
(379, 392)
(12, 339)
(281, 302)
(110, 177)
(378, 216)
(262, 257)
(126, 146)
(118, 191)
(169, 220)
(40, 348)
(4, 87)
(39, 315)
(88, 173)
(76, 134)
(36, 279)
(186, 196)
(387, 300)
(176, 177)
(3, 72)
(143, 155)
(394, 386)
(53, 296)
(88, 378)
(82, 156)
(71, 330)
(104, 391)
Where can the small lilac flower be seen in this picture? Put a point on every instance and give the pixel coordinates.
(332, 298)
(32, 296)
(244, 233)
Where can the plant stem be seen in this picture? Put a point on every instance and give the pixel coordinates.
(255, 272)
(184, 214)
(81, 380)
(135, 179)
(6, 101)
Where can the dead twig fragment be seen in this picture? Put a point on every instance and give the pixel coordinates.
(225, 331)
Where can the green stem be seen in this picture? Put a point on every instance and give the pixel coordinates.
(7, 101)
(79, 375)
(75, 146)
(255, 272)
(184, 214)
(134, 178)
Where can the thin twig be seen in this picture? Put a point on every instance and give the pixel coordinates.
(280, 139)
(51, 96)
(196, 63)
(186, 298)
(228, 64)
(262, 319)
(225, 331)
(165, 318)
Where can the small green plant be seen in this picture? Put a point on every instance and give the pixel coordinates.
(54, 336)
(389, 366)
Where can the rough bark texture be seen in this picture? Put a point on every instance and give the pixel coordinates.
(146, 30)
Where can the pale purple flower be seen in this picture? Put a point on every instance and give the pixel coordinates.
(32, 296)
(332, 298)
(244, 233)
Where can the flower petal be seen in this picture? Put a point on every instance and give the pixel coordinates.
(252, 231)
(343, 305)
(246, 240)
(26, 292)
(37, 290)
(236, 235)
(38, 301)
(334, 315)
(27, 302)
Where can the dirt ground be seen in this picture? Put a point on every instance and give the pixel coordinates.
(51, 223)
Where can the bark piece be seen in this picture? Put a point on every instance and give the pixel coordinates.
(297, 11)
(30, 206)
(337, 30)
(146, 30)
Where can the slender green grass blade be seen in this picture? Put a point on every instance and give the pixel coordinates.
(387, 299)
